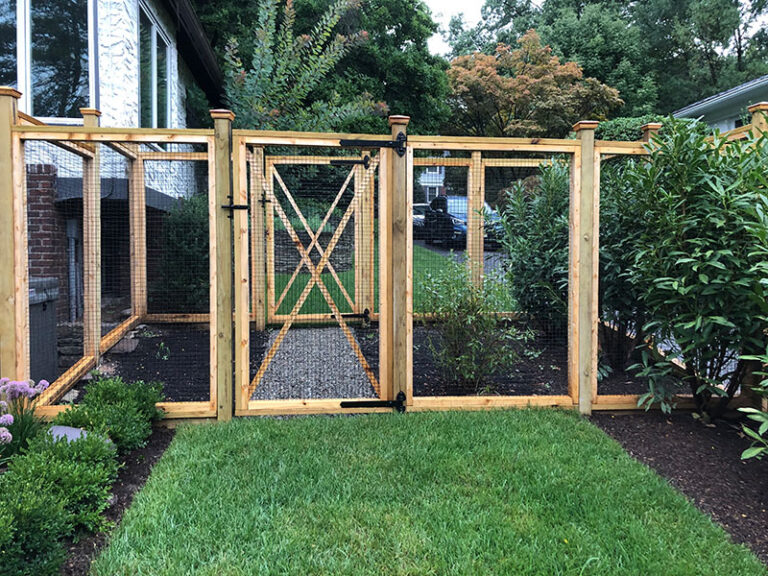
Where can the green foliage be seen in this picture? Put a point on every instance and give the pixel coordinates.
(36, 520)
(78, 474)
(660, 55)
(183, 282)
(535, 222)
(124, 412)
(626, 129)
(759, 446)
(469, 341)
(274, 91)
(698, 262)
(19, 398)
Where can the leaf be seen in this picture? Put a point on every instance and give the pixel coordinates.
(752, 452)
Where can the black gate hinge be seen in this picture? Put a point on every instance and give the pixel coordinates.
(398, 144)
(232, 207)
(398, 403)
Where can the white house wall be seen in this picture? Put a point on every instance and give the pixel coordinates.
(118, 90)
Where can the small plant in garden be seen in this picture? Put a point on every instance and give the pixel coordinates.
(124, 412)
(470, 342)
(163, 352)
(18, 423)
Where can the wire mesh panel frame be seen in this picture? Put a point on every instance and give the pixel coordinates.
(126, 142)
(261, 171)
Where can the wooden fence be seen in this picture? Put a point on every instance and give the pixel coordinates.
(236, 164)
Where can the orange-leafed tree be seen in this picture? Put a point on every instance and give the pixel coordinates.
(523, 92)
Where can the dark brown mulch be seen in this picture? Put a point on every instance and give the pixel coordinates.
(705, 464)
(543, 370)
(130, 479)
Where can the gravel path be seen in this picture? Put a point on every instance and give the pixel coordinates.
(313, 363)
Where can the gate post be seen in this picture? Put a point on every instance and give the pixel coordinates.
(14, 291)
(475, 217)
(583, 277)
(92, 243)
(221, 263)
(401, 187)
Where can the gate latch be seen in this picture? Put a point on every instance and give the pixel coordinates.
(365, 161)
(398, 403)
(232, 207)
(398, 144)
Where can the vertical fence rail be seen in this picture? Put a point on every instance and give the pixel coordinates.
(92, 244)
(241, 288)
(14, 294)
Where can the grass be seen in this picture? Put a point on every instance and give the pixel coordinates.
(516, 492)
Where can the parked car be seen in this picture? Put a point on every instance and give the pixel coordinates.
(445, 222)
(419, 212)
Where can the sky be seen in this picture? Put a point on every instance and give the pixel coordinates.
(443, 10)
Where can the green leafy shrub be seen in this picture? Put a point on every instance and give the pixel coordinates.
(468, 340)
(535, 239)
(78, 474)
(183, 283)
(625, 128)
(124, 412)
(759, 440)
(37, 520)
(699, 261)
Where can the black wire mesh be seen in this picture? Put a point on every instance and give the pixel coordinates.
(54, 188)
(318, 274)
(502, 329)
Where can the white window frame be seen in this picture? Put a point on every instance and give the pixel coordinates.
(24, 61)
(157, 30)
(433, 169)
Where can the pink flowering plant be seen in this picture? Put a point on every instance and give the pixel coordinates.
(18, 421)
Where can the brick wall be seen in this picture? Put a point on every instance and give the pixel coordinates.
(47, 229)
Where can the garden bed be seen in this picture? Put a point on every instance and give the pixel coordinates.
(543, 371)
(704, 463)
(130, 479)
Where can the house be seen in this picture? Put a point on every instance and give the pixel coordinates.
(432, 183)
(728, 110)
(137, 61)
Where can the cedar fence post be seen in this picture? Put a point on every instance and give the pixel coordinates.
(14, 285)
(401, 186)
(92, 243)
(222, 240)
(759, 114)
(650, 130)
(585, 264)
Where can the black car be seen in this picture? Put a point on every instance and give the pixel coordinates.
(445, 222)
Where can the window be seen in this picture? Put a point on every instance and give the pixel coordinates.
(8, 43)
(431, 193)
(154, 89)
(433, 169)
(46, 51)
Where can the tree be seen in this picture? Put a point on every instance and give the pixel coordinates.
(275, 92)
(393, 65)
(523, 92)
(659, 54)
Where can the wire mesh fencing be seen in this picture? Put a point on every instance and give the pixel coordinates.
(490, 274)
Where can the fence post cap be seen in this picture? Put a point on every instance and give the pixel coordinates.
(759, 107)
(222, 114)
(399, 120)
(651, 126)
(585, 125)
(8, 91)
(90, 112)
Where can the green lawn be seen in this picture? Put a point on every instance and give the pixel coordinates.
(514, 492)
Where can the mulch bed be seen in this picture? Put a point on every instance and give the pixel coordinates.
(130, 479)
(705, 464)
(542, 374)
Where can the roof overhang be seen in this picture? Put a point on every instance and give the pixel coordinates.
(196, 50)
(724, 103)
